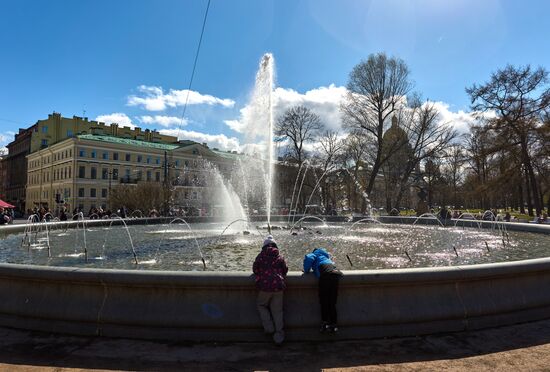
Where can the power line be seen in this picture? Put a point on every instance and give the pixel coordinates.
(194, 66)
(11, 121)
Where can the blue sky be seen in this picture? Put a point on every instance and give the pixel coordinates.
(113, 58)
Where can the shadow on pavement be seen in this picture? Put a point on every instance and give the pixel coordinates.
(24, 348)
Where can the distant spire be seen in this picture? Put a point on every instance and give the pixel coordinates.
(393, 121)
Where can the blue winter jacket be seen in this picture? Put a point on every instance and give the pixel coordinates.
(313, 260)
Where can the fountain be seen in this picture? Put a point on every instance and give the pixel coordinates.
(409, 277)
(258, 123)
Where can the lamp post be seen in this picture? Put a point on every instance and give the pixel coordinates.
(109, 195)
(166, 187)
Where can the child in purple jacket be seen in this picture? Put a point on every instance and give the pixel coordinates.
(270, 271)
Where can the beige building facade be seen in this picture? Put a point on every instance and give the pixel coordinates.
(50, 131)
(80, 172)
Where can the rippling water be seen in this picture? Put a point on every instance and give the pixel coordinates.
(368, 246)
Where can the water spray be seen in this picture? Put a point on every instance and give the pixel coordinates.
(349, 260)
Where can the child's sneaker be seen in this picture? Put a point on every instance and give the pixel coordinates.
(324, 327)
(333, 328)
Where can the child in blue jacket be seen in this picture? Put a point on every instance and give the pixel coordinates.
(324, 268)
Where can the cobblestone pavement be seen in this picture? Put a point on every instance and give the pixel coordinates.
(520, 347)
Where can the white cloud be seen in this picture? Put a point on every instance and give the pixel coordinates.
(116, 117)
(6, 138)
(220, 141)
(460, 120)
(324, 101)
(165, 121)
(236, 125)
(153, 98)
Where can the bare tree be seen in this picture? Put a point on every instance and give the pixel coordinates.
(144, 196)
(520, 98)
(299, 125)
(428, 138)
(376, 89)
(328, 156)
(456, 157)
(354, 159)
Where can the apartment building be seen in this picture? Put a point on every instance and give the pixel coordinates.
(50, 131)
(81, 171)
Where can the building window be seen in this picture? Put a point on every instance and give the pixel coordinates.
(103, 193)
(81, 192)
(115, 174)
(149, 175)
(44, 142)
(127, 157)
(81, 172)
(157, 176)
(45, 129)
(148, 160)
(186, 163)
(177, 163)
(105, 156)
(93, 154)
(70, 172)
(158, 161)
(93, 173)
(138, 176)
(92, 193)
(139, 158)
(115, 155)
(81, 153)
(104, 173)
(69, 133)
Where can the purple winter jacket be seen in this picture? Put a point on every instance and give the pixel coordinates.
(270, 270)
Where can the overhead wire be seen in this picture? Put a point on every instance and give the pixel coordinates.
(194, 67)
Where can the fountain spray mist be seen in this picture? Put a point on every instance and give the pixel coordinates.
(270, 165)
(258, 125)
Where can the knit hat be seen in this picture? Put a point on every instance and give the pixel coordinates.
(269, 241)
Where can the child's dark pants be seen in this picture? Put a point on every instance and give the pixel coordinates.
(328, 294)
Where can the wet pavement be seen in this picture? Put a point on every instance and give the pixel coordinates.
(518, 347)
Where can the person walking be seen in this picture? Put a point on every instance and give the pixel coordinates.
(320, 263)
(270, 271)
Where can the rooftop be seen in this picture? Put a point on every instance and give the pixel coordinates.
(127, 141)
(227, 154)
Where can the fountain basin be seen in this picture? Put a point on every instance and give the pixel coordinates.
(356, 246)
(220, 306)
